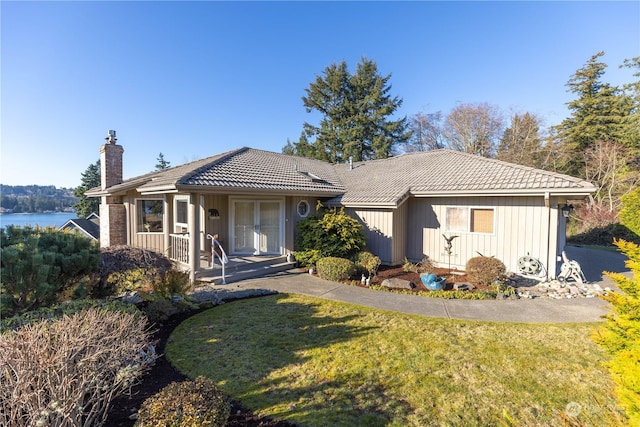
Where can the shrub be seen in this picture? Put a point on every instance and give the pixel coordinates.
(409, 267)
(485, 270)
(172, 282)
(308, 258)
(198, 403)
(66, 308)
(629, 213)
(332, 233)
(368, 262)
(67, 371)
(620, 335)
(426, 266)
(159, 310)
(335, 269)
(41, 266)
(132, 280)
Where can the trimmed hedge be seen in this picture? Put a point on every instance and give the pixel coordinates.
(335, 269)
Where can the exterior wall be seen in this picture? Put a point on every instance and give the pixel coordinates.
(521, 227)
(151, 241)
(219, 202)
(292, 218)
(378, 229)
(113, 228)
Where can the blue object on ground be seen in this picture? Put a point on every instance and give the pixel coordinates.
(432, 282)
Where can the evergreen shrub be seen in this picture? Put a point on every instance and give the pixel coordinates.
(332, 233)
(485, 270)
(198, 403)
(308, 258)
(42, 266)
(335, 269)
(630, 212)
(368, 262)
(620, 334)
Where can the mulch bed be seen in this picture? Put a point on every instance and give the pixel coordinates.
(452, 276)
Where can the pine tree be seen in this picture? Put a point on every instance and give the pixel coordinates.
(162, 163)
(90, 178)
(355, 113)
(599, 113)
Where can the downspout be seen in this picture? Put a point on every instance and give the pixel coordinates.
(547, 204)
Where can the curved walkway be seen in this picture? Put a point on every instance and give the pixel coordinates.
(539, 310)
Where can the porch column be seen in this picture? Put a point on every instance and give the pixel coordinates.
(194, 236)
(166, 225)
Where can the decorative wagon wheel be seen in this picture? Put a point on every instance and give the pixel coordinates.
(529, 265)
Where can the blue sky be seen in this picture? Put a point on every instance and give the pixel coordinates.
(193, 79)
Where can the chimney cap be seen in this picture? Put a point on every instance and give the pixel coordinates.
(111, 137)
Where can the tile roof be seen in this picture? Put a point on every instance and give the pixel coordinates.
(388, 181)
(375, 182)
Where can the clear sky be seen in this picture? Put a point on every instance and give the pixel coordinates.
(193, 79)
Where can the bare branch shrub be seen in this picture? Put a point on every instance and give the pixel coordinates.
(66, 372)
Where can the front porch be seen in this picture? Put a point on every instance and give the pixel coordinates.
(237, 268)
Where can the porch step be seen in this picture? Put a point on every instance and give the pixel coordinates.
(241, 269)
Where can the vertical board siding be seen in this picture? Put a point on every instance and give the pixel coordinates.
(378, 228)
(520, 228)
(220, 202)
(151, 241)
(399, 234)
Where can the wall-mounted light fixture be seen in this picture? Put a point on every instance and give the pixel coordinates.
(214, 214)
(566, 209)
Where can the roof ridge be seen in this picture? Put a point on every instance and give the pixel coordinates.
(222, 157)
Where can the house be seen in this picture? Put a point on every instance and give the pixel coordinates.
(89, 227)
(409, 206)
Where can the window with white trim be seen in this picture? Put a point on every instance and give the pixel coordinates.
(469, 219)
(150, 213)
(181, 211)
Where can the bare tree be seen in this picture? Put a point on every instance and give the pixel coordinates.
(608, 166)
(426, 132)
(474, 128)
(521, 142)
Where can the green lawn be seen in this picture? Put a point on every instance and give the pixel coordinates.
(318, 363)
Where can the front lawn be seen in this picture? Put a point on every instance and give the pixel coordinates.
(315, 363)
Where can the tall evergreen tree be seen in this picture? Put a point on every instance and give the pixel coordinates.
(90, 178)
(162, 163)
(355, 111)
(599, 113)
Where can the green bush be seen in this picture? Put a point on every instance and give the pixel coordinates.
(198, 403)
(308, 258)
(335, 269)
(368, 262)
(332, 233)
(620, 335)
(134, 279)
(484, 270)
(41, 266)
(628, 215)
(159, 310)
(171, 283)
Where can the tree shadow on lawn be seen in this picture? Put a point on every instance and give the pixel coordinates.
(256, 349)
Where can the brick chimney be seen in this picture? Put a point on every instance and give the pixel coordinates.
(113, 225)
(111, 161)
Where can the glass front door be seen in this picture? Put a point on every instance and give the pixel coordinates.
(257, 227)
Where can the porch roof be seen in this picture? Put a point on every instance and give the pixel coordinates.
(244, 169)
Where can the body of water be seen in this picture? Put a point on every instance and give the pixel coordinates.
(33, 219)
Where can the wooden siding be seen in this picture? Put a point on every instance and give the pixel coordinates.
(292, 218)
(378, 228)
(151, 241)
(521, 227)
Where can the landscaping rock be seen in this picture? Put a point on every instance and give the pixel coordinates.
(398, 284)
(463, 286)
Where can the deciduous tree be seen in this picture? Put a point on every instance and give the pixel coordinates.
(426, 132)
(521, 142)
(474, 128)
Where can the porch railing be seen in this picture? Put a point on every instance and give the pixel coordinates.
(179, 247)
(222, 256)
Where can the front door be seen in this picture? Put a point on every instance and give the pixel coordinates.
(256, 227)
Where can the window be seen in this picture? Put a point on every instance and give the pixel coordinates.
(182, 209)
(303, 208)
(150, 213)
(469, 220)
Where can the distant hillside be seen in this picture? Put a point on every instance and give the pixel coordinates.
(36, 199)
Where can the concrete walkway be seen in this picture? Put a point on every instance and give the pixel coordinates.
(539, 310)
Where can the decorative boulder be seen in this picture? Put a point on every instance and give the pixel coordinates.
(398, 283)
